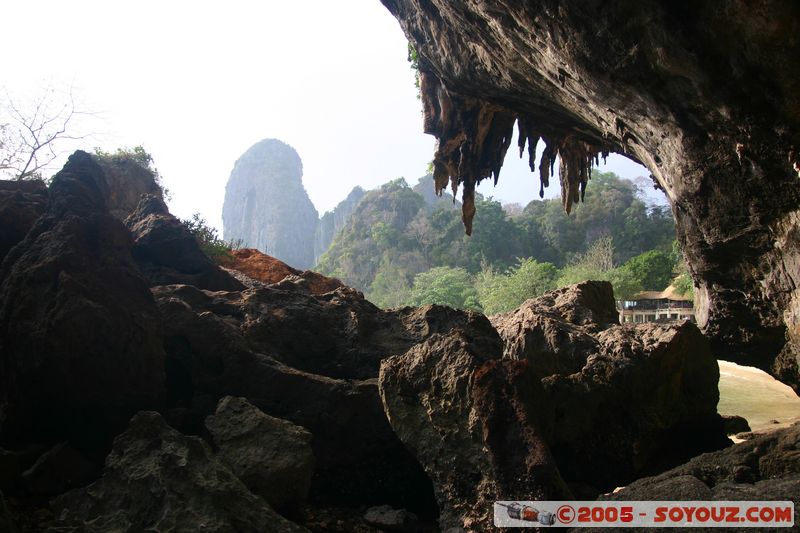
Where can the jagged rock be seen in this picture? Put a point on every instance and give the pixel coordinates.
(359, 458)
(156, 479)
(271, 456)
(167, 253)
(59, 469)
(269, 270)
(767, 467)
(81, 346)
(337, 334)
(622, 400)
(266, 205)
(332, 221)
(644, 402)
(705, 97)
(127, 181)
(555, 331)
(385, 518)
(735, 424)
(470, 419)
(21, 204)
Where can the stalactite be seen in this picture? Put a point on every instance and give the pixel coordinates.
(473, 137)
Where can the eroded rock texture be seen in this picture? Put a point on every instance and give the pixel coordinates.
(156, 479)
(271, 456)
(229, 343)
(80, 344)
(21, 204)
(266, 205)
(166, 252)
(707, 96)
(563, 403)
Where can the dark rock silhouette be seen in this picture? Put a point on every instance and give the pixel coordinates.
(267, 207)
(166, 252)
(21, 204)
(80, 349)
(765, 467)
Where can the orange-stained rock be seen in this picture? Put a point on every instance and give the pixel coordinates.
(267, 269)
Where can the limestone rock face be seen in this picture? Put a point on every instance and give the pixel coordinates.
(21, 204)
(81, 346)
(267, 207)
(271, 456)
(706, 97)
(331, 222)
(156, 479)
(168, 253)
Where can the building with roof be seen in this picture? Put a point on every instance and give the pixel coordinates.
(657, 306)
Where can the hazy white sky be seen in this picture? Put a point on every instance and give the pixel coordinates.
(198, 83)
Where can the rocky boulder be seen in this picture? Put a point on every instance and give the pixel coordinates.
(359, 458)
(643, 402)
(80, 347)
(271, 456)
(269, 270)
(765, 467)
(266, 205)
(555, 332)
(21, 204)
(622, 401)
(470, 418)
(156, 479)
(166, 252)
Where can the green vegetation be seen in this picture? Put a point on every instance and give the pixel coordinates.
(207, 237)
(498, 293)
(136, 156)
(401, 247)
(449, 286)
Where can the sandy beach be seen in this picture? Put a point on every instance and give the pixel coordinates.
(753, 394)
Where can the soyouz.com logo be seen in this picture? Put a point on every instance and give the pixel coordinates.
(758, 514)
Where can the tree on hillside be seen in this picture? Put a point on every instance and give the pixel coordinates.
(499, 293)
(453, 287)
(598, 264)
(33, 134)
(653, 269)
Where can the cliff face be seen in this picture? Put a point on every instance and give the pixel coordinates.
(266, 205)
(331, 222)
(706, 95)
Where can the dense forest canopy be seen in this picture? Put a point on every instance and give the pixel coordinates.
(402, 248)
